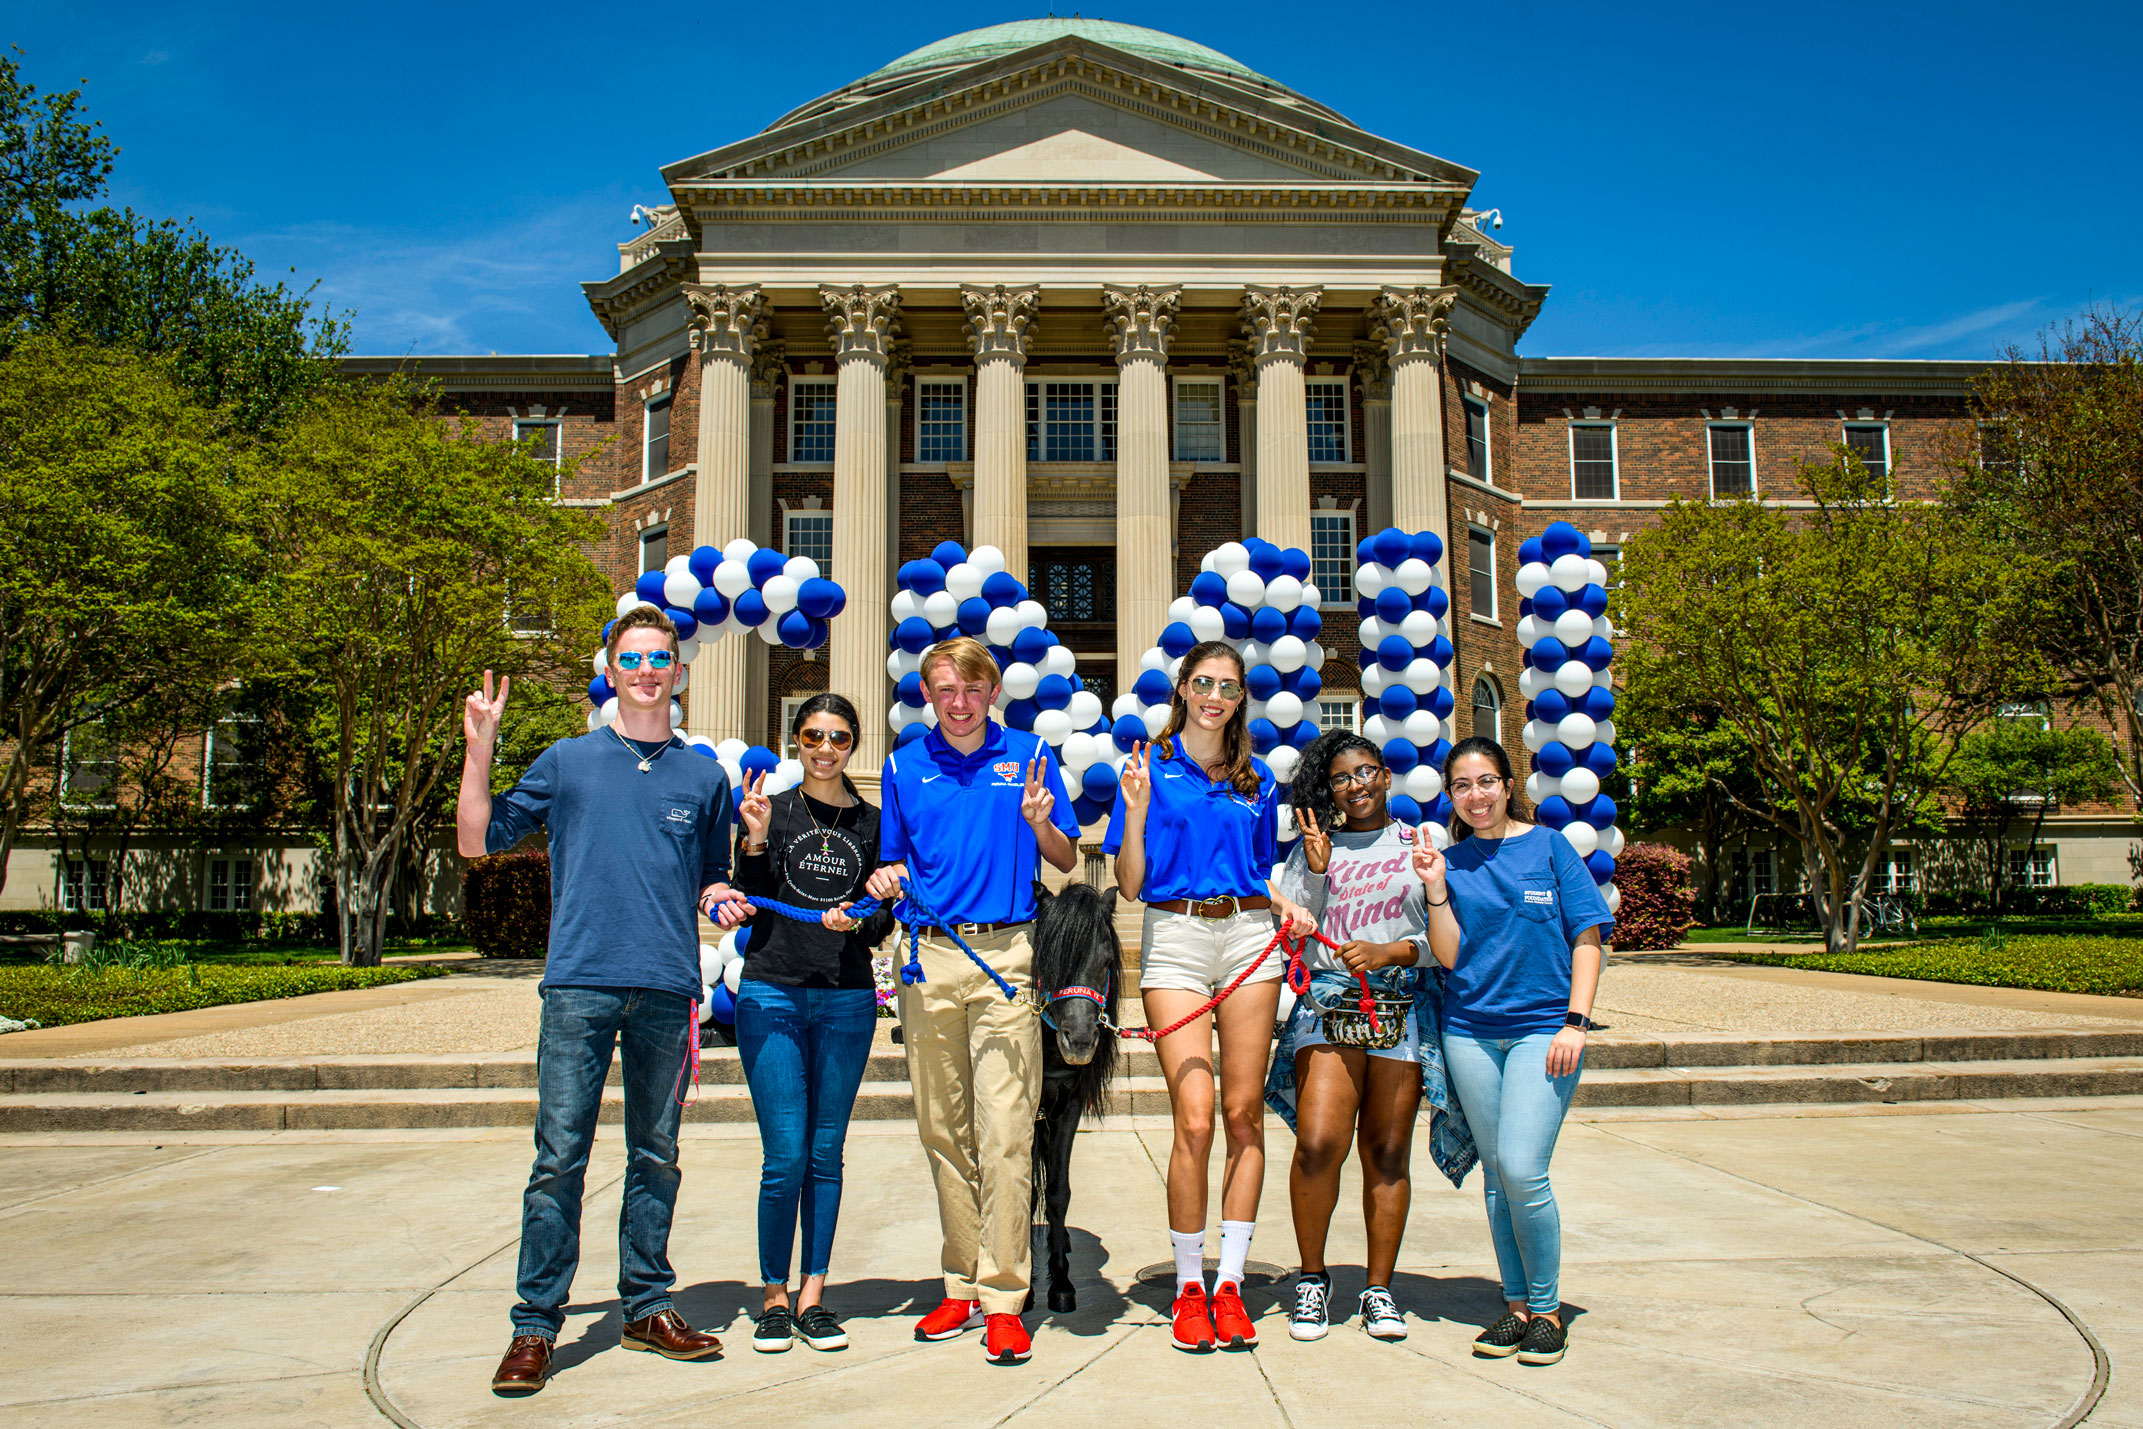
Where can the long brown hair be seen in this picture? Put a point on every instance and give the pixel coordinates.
(1235, 735)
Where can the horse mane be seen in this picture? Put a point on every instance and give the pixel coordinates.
(1070, 928)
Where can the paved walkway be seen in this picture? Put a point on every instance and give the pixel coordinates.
(1861, 1269)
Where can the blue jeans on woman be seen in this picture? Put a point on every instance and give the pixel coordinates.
(804, 1050)
(1515, 1109)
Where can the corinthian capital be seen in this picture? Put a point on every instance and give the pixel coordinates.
(1372, 368)
(770, 360)
(998, 319)
(1413, 322)
(1277, 321)
(862, 322)
(726, 321)
(1141, 319)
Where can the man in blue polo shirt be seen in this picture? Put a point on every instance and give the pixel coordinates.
(970, 809)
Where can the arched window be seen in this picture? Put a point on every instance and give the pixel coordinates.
(1487, 709)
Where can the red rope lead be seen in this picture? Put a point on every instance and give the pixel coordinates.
(1298, 979)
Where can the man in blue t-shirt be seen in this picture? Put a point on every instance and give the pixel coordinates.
(970, 810)
(639, 834)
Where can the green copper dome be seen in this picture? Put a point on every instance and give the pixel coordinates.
(993, 40)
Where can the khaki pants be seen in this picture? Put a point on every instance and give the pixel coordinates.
(975, 1062)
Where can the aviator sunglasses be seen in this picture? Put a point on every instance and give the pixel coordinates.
(1206, 685)
(813, 738)
(656, 659)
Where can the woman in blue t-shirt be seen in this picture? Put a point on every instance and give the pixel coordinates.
(1518, 920)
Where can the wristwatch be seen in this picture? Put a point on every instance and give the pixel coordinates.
(1578, 1020)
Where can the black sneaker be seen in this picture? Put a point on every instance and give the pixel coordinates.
(1313, 1293)
(775, 1332)
(1543, 1342)
(1500, 1339)
(817, 1328)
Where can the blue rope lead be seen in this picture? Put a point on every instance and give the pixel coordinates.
(925, 917)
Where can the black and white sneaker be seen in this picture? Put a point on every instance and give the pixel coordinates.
(1500, 1339)
(817, 1328)
(775, 1331)
(1313, 1293)
(1543, 1342)
(1380, 1314)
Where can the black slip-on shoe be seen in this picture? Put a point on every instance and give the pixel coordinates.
(818, 1328)
(1500, 1339)
(1543, 1342)
(775, 1331)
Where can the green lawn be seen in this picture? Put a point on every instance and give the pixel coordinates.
(244, 954)
(2063, 962)
(57, 996)
(1948, 926)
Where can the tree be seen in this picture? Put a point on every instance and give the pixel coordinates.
(123, 560)
(1848, 645)
(397, 538)
(2058, 464)
(2014, 767)
(1690, 769)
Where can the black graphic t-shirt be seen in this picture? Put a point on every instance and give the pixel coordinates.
(817, 856)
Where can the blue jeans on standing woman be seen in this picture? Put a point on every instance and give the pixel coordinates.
(804, 1050)
(1516, 1109)
(581, 1028)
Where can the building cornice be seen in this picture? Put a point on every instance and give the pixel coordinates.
(1477, 277)
(566, 372)
(1868, 377)
(880, 200)
(613, 300)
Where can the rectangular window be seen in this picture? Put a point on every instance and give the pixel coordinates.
(655, 458)
(810, 533)
(91, 766)
(82, 885)
(1733, 460)
(940, 421)
(1332, 556)
(790, 704)
(1870, 441)
(1071, 421)
(1763, 871)
(230, 885)
(654, 548)
(1481, 566)
(1999, 449)
(1339, 714)
(237, 764)
(811, 407)
(1075, 584)
(1199, 436)
(526, 617)
(1897, 872)
(1326, 403)
(1592, 461)
(1477, 461)
(2033, 867)
(545, 440)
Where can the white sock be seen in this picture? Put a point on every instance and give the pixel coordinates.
(1190, 1259)
(1234, 1252)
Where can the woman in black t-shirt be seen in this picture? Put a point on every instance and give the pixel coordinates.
(806, 1009)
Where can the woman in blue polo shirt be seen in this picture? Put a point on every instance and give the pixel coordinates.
(1193, 832)
(1516, 917)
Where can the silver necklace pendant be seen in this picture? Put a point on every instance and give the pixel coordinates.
(645, 766)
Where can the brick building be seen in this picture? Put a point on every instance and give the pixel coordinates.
(1105, 298)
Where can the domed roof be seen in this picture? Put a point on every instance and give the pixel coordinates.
(993, 40)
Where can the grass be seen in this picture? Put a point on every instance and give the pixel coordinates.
(1947, 926)
(208, 952)
(58, 996)
(2064, 962)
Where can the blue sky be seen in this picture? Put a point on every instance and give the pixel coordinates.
(1829, 180)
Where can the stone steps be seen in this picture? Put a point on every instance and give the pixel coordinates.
(1623, 1070)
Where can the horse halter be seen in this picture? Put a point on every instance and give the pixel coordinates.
(1099, 998)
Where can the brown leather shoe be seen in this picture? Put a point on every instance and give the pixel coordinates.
(526, 1368)
(666, 1334)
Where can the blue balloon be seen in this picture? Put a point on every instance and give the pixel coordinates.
(756, 761)
(1266, 561)
(1428, 546)
(1558, 540)
(1584, 545)
(1442, 702)
(1400, 755)
(1365, 551)
(914, 633)
(1555, 759)
(1598, 652)
(764, 565)
(1548, 654)
(1439, 650)
(1592, 600)
(974, 616)
(687, 627)
(1099, 782)
(1529, 551)
(926, 577)
(1405, 810)
(1439, 810)
(1600, 866)
(1031, 644)
(701, 563)
(1549, 706)
(649, 586)
(818, 598)
(1365, 607)
(1304, 623)
(1525, 606)
(1393, 604)
(710, 607)
(706, 749)
(1600, 811)
(722, 1005)
(1267, 624)
(909, 733)
(904, 578)
(1304, 683)
(1002, 655)
(799, 631)
(1434, 600)
(1176, 640)
(1263, 682)
(744, 938)
(1209, 588)
(1019, 714)
(910, 691)
(1391, 546)
(1127, 732)
(1053, 692)
(1597, 703)
(1397, 701)
(1152, 687)
(1294, 561)
(948, 554)
(1001, 588)
(1439, 754)
(1394, 653)
(1550, 601)
(1264, 735)
(749, 609)
(1086, 811)
(1600, 758)
(1553, 812)
(1303, 735)
(608, 626)
(600, 689)
(1234, 621)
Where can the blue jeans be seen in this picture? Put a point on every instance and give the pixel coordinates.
(1515, 1109)
(581, 1026)
(804, 1050)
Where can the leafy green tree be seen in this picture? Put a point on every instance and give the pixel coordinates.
(1691, 769)
(1848, 645)
(397, 539)
(2016, 767)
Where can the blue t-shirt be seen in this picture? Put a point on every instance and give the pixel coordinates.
(1521, 903)
(630, 853)
(1203, 839)
(954, 819)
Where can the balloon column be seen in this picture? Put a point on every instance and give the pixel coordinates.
(1570, 700)
(721, 969)
(1406, 647)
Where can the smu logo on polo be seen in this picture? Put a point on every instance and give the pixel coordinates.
(1007, 770)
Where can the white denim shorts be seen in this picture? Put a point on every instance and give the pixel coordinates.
(1204, 955)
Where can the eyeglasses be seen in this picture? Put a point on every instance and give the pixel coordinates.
(656, 659)
(1364, 776)
(1487, 784)
(813, 738)
(1206, 685)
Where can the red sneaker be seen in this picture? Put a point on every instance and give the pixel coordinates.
(950, 1319)
(1194, 1327)
(1231, 1322)
(1004, 1340)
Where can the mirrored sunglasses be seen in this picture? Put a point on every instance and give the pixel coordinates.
(1206, 685)
(656, 659)
(813, 738)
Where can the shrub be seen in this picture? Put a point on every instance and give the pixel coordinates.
(57, 996)
(1658, 904)
(506, 904)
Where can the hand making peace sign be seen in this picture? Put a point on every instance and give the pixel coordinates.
(1316, 843)
(1136, 778)
(755, 810)
(1036, 801)
(481, 713)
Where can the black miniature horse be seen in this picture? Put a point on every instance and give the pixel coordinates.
(1075, 946)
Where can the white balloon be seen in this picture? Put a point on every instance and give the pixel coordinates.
(1583, 837)
(1421, 783)
(1311, 596)
(800, 569)
(1369, 581)
(1020, 680)
(630, 601)
(1317, 656)
(595, 718)
(1247, 589)
(964, 581)
(1033, 615)
(1422, 727)
(733, 976)
(1206, 623)
(1613, 895)
(1084, 709)
(1254, 710)
(1253, 653)
(1530, 630)
(1539, 786)
(731, 749)
(770, 628)
(740, 550)
(786, 775)
(906, 605)
(1412, 575)
(735, 771)
(902, 662)
(898, 714)
(1603, 627)
(1174, 669)
(1284, 760)
(599, 663)
(1180, 609)
(684, 672)
(677, 715)
(1595, 573)
(1126, 704)
(1439, 834)
(1374, 680)
(678, 565)
(1576, 731)
(1205, 563)
(608, 714)
(1155, 658)
(680, 589)
(1611, 840)
(986, 559)
(1283, 593)
(1569, 573)
(1372, 631)
(732, 579)
(1418, 629)
(1573, 677)
(941, 609)
(779, 593)
(1573, 627)
(1156, 720)
(1230, 558)
(1531, 682)
(1421, 675)
(1604, 732)
(1603, 679)
(930, 716)
(1053, 725)
(1285, 823)
(1379, 731)
(1059, 661)
(1579, 785)
(1284, 710)
(1003, 625)
(1531, 577)
(1287, 654)
(710, 963)
(1536, 735)
(1079, 750)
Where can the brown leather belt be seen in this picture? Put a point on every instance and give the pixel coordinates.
(1225, 906)
(971, 930)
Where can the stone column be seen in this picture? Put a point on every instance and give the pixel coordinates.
(727, 325)
(769, 369)
(1277, 321)
(1243, 372)
(1413, 324)
(1372, 367)
(1141, 320)
(862, 322)
(998, 319)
